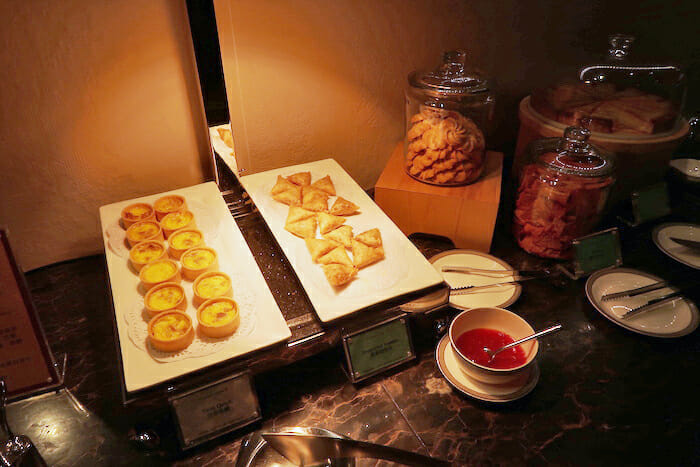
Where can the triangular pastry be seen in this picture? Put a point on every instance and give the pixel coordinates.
(300, 178)
(337, 255)
(363, 255)
(342, 235)
(304, 228)
(328, 222)
(343, 207)
(314, 199)
(339, 274)
(226, 136)
(325, 184)
(370, 238)
(289, 197)
(319, 247)
(282, 185)
(296, 214)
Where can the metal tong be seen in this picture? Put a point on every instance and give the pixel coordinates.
(519, 276)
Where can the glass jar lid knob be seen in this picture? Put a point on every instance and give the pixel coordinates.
(575, 142)
(620, 45)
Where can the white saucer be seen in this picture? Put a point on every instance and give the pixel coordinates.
(662, 238)
(500, 297)
(688, 167)
(675, 319)
(449, 367)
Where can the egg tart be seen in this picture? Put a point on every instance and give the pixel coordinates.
(137, 212)
(167, 204)
(142, 231)
(144, 252)
(198, 260)
(218, 317)
(165, 297)
(171, 331)
(209, 285)
(184, 239)
(176, 221)
(157, 272)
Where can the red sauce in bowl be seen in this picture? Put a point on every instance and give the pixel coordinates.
(471, 344)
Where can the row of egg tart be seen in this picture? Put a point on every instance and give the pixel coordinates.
(170, 328)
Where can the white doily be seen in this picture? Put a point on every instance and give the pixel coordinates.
(206, 221)
(137, 319)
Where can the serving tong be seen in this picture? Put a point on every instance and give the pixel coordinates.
(651, 304)
(518, 277)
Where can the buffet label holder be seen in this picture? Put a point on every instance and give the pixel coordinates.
(215, 409)
(648, 204)
(594, 252)
(377, 345)
(26, 360)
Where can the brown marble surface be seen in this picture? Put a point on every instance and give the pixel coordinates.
(605, 395)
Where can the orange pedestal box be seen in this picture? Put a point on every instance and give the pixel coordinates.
(464, 214)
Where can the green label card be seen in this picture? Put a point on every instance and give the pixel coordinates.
(597, 251)
(377, 348)
(650, 203)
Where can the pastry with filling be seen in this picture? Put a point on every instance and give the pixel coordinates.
(137, 212)
(300, 178)
(301, 222)
(314, 199)
(211, 285)
(367, 248)
(337, 255)
(171, 331)
(226, 136)
(339, 274)
(165, 297)
(218, 317)
(167, 204)
(184, 239)
(286, 192)
(328, 222)
(342, 235)
(142, 231)
(159, 271)
(343, 207)
(176, 221)
(144, 252)
(198, 260)
(325, 184)
(319, 247)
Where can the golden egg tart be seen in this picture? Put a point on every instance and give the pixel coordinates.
(165, 297)
(144, 252)
(157, 272)
(143, 231)
(210, 285)
(198, 260)
(218, 317)
(137, 212)
(176, 221)
(171, 331)
(184, 239)
(167, 204)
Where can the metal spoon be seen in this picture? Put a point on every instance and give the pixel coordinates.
(492, 353)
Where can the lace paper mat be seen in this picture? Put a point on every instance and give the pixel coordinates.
(137, 319)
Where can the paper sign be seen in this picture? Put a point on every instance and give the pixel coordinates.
(650, 203)
(378, 347)
(597, 251)
(216, 409)
(25, 359)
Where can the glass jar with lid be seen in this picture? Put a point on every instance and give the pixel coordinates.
(562, 193)
(449, 116)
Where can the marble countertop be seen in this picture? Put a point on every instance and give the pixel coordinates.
(605, 395)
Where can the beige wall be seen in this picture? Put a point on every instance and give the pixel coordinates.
(100, 103)
(308, 79)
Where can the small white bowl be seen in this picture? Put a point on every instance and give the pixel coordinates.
(501, 320)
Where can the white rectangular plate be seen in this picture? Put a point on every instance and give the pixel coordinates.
(221, 233)
(404, 269)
